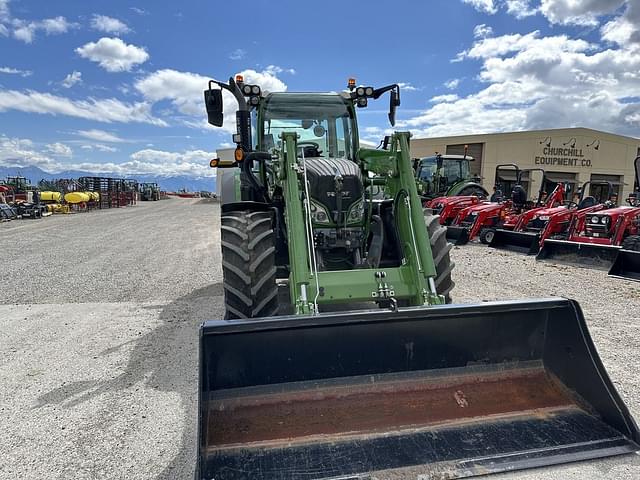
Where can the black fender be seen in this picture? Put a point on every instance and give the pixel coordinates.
(246, 205)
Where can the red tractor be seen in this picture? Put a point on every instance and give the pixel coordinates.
(610, 237)
(449, 207)
(598, 236)
(484, 219)
(535, 226)
(627, 262)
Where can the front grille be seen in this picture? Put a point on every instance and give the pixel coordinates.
(536, 225)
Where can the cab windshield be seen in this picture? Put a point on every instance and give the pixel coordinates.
(453, 170)
(323, 123)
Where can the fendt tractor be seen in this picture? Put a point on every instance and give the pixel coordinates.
(447, 176)
(406, 386)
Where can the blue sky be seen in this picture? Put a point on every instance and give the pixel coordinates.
(117, 86)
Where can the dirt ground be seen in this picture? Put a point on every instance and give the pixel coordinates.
(99, 318)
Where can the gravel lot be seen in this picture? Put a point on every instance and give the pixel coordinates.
(98, 338)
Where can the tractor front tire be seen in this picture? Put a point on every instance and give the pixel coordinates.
(632, 242)
(248, 264)
(440, 249)
(486, 235)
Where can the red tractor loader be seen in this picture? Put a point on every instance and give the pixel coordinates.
(449, 207)
(597, 238)
(537, 225)
(627, 262)
(471, 221)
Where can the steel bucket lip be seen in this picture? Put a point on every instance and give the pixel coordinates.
(434, 312)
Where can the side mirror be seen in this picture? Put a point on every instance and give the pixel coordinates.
(394, 102)
(213, 102)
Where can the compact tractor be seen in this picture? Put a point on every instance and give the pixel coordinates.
(609, 238)
(627, 262)
(447, 176)
(483, 219)
(536, 226)
(404, 386)
(447, 208)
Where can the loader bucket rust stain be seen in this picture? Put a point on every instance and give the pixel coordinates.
(485, 388)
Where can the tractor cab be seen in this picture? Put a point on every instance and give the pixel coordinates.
(447, 175)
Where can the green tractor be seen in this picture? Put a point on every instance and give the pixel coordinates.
(406, 385)
(149, 191)
(447, 176)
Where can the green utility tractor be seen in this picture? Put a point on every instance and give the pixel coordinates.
(407, 385)
(447, 176)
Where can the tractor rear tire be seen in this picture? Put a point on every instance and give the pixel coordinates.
(632, 242)
(440, 249)
(486, 235)
(248, 264)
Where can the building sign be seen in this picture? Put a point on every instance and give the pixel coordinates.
(566, 155)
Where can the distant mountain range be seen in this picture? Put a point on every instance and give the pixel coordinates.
(170, 184)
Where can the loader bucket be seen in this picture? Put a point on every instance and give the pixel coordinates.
(438, 392)
(590, 254)
(458, 235)
(626, 265)
(523, 242)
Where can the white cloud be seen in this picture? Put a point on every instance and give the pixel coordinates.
(20, 152)
(520, 8)
(99, 147)
(535, 82)
(238, 54)
(4, 31)
(100, 136)
(15, 71)
(486, 6)
(105, 148)
(274, 70)
(482, 31)
(450, 97)
(408, 87)
(452, 84)
(185, 92)
(26, 30)
(113, 54)
(139, 11)
(59, 149)
(106, 110)
(4, 10)
(107, 24)
(72, 79)
(578, 12)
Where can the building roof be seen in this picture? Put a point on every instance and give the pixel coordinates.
(550, 131)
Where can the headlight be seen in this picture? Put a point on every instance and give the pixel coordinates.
(356, 212)
(319, 214)
(544, 218)
(595, 220)
(603, 220)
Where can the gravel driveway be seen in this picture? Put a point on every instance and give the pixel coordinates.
(98, 338)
